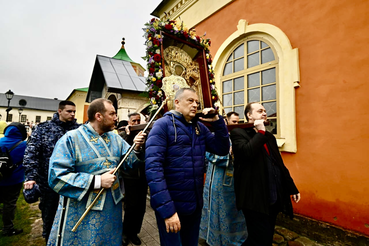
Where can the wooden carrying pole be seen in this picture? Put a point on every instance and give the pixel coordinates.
(116, 169)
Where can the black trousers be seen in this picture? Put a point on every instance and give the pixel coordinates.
(9, 196)
(48, 205)
(260, 226)
(189, 233)
(134, 204)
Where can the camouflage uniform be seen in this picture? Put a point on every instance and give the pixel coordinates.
(36, 163)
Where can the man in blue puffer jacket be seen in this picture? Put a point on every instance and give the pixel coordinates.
(11, 186)
(175, 156)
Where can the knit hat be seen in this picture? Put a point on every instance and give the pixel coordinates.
(20, 127)
(32, 195)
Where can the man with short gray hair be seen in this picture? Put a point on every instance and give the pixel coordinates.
(175, 167)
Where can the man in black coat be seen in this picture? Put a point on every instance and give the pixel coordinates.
(135, 186)
(263, 184)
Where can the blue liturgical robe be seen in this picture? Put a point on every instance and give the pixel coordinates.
(221, 223)
(78, 156)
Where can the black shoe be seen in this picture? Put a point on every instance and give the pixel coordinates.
(12, 232)
(135, 239)
(125, 240)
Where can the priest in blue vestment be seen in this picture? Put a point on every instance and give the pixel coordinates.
(221, 223)
(82, 163)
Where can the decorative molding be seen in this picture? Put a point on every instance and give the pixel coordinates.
(180, 7)
(288, 76)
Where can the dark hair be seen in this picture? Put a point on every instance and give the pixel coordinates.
(180, 92)
(132, 114)
(62, 104)
(248, 109)
(231, 113)
(122, 123)
(97, 105)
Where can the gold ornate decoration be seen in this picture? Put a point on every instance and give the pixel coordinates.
(94, 139)
(106, 139)
(170, 86)
(107, 163)
(180, 70)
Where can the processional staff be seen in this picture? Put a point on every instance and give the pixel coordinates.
(116, 169)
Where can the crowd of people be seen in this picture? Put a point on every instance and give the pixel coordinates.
(68, 165)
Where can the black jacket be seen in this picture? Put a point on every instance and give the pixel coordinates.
(251, 172)
(136, 173)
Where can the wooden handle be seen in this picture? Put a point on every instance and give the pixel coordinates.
(116, 169)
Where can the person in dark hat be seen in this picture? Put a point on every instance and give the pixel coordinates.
(10, 186)
(120, 126)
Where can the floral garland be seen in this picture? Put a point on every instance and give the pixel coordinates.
(153, 57)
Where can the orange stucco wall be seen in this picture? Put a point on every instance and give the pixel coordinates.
(331, 166)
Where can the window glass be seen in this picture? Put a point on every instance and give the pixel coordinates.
(238, 97)
(253, 95)
(240, 110)
(271, 109)
(227, 110)
(253, 60)
(238, 83)
(269, 92)
(227, 69)
(227, 86)
(253, 80)
(227, 100)
(268, 76)
(239, 52)
(252, 46)
(230, 58)
(238, 65)
(267, 55)
(263, 45)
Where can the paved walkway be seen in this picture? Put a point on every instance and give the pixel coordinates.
(150, 236)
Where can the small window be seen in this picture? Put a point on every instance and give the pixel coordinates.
(23, 118)
(49, 118)
(38, 119)
(10, 118)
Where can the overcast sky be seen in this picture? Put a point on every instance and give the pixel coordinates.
(48, 47)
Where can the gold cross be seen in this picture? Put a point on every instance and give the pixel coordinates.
(107, 163)
(94, 139)
(106, 139)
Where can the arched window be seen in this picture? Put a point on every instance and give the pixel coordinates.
(257, 63)
(249, 75)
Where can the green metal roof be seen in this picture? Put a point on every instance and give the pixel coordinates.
(122, 54)
(82, 89)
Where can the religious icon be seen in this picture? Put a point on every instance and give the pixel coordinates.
(180, 72)
(184, 66)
